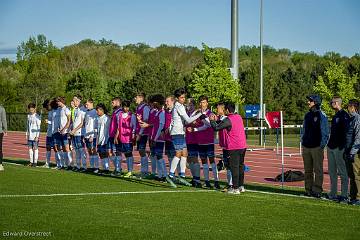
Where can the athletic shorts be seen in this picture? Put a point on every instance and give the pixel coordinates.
(102, 149)
(207, 151)
(152, 149)
(169, 149)
(77, 142)
(159, 149)
(61, 140)
(126, 147)
(193, 150)
(33, 144)
(141, 144)
(90, 145)
(49, 142)
(179, 142)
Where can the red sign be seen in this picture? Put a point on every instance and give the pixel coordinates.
(273, 119)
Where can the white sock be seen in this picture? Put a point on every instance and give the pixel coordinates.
(31, 155)
(78, 158)
(83, 157)
(229, 177)
(174, 163)
(58, 159)
(153, 164)
(206, 171)
(91, 158)
(197, 170)
(96, 161)
(63, 159)
(106, 163)
(144, 165)
(214, 171)
(69, 158)
(130, 164)
(48, 157)
(182, 166)
(36, 155)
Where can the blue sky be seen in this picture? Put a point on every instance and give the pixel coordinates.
(301, 25)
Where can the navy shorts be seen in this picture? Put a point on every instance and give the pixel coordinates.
(126, 147)
(77, 142)
(159, 149)
(49, 142)
(141, 144)
(102, 149)
(179, 142)
(207, 151)
(61, 140)
(169, 149)
(152, 148)
(193, 150)
(111, 144)
(90, 145)
(33, 144)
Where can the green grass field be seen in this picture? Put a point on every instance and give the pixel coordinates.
(159, 212)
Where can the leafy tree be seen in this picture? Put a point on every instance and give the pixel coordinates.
(335, 83)
(213, 79)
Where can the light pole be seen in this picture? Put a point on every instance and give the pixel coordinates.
(261, 76)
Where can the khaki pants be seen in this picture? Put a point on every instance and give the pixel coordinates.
(356, 166)
(337, 168)
(313, 164)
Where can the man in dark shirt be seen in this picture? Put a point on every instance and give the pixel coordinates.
(335, 151)
(314, 140)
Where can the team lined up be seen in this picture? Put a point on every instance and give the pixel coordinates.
(184, 134)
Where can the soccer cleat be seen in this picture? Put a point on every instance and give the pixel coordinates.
(34, 165)
(150, 176)
(30, 165)
(170, 181)
(128, 175)
(227, 188)
(207, 184)
(83, 170)
(233, 191)
(198, 185)
(183, 181)
(96, 171)
(343, 200)
(242, 189)
(45, 165)
(217, 185)
(115, 174)
(331, 198)
(1, 167)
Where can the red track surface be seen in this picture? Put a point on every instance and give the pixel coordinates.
(264, 164)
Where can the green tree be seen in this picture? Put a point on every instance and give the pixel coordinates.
(335, 83)
(213, 79)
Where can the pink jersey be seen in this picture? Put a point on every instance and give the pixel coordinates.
(167, 124)
(114, 123)
(156, 121)
(191, 137)
(139, 111)
(205, 136)
(235, 138)
(125, 128)
(148, 131)
(222, 137)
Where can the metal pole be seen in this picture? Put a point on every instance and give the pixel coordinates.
(282, 148)
(234, 40)
(261, 75)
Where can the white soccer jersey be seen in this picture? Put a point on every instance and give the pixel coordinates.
(64, 112)
(90, 123)
(55, 120)
(103, 130)
(79, 117)
(33, 126)
(49, 131)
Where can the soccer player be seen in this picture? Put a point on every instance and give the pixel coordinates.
(63, 132)
(90, 133)
(142, 112)
(205, 138)
(169, 146)
(76, 134)
(115, 146)
(179, 117)
(126, 135)
(50, 106)
(33, 134)
(192, 145)
(148, 129)
(103, 144)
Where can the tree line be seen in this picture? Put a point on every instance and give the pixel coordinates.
(103, 69)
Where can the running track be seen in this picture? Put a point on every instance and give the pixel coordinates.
(264, 164)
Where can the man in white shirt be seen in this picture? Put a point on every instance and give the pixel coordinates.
(64, 120)
(33, 134)
(76, 132)
(90, 124)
